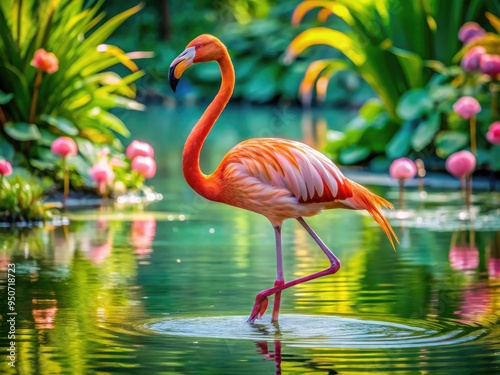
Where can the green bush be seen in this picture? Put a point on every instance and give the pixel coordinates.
(22, 200)
(75, 100)
(395, 46)
(429, 126)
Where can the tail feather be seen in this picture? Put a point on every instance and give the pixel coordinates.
(364, 199)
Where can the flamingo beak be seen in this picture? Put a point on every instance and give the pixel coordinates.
(179, 65)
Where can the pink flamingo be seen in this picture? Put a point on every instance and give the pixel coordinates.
(278, 178)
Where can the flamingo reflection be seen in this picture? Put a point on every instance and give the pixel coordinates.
(263, 348)
(276, 356)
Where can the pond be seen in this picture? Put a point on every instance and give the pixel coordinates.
(167, 288)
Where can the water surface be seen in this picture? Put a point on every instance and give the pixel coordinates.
(167, 288)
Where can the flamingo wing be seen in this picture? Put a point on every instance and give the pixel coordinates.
(307, 174)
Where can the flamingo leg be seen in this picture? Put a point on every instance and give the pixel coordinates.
(280, 278)
(261, 300)
(260, 308)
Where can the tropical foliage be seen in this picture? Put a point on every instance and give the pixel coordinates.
(256, 34)
(22, 200)
(396, 47)
(75, 99)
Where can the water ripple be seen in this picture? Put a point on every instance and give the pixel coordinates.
(321, 331)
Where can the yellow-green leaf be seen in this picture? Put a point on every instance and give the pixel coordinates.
(326, 36)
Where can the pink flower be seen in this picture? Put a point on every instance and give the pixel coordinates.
(490, 64)
(403, 169)
(5, 168)
(103, 152)
(144, 165)
(470, 31)
(461, 163)
(464, 257)
(466, 107)
(138, 148)
(64, 146)
(102, 173)
(45, 61)
(470, 61)
(493, 134)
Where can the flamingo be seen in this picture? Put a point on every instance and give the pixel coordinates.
(277, 178)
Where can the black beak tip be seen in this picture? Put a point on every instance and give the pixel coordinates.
(171, 79)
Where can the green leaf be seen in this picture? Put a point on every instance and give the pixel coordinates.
(323, 35)
(86, 148)
(109, 120)
(11, 51)
(399, 145)
(6, 149)
(412, 65)
(60, 123)
(13, 80)
(80, 165)
(354, 154)
(105, 30)
(41, 164)
(46, 154)
(5, 98)
(482, 156)
(425, 131)
(22, 131)
(371, 109)
(495, 158)
(111, 101)
(449, 141)
(413, 104)
(379, 133)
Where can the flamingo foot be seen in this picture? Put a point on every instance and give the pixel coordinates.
(259, 308)
(277, 300)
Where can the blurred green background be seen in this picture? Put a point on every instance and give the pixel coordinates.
(256, 34)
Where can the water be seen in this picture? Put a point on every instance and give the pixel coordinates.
(167, 288)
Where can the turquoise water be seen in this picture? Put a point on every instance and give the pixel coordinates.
(167, 288)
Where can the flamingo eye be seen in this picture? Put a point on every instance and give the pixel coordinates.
(198, 46)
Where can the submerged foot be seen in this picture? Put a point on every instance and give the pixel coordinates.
(259, 308)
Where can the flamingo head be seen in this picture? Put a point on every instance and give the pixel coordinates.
(203, 48)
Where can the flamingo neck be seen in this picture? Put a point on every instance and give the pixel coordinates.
(199, 182)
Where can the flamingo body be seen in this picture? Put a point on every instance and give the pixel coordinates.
(280, 179)
(277, 178)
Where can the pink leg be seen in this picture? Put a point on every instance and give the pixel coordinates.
(264, 349)
(259, 310)
(280, 278)
(261, 300)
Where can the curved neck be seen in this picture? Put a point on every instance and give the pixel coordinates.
(198, 181)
